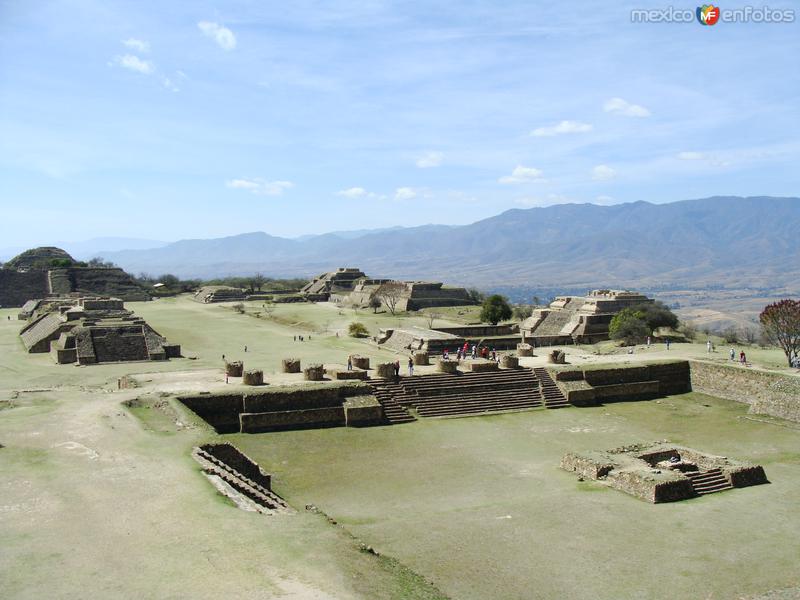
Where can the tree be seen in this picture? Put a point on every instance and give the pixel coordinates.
(169, 280)
(375, 303)
(391, 293)
(495, 309)
(476, 296)
(356, 329)
(536, 301)
(781, 324)
(522, 311)
(257, 281)
(656, 314)
(430, 317)
(628, 325)
(750, 334)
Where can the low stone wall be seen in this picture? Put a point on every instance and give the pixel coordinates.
(235, 458)
(292, 419)
(345, 375)
(651, 489)
(361, 411)
(482, 366)
(221, 411)
(447, 366)
(766, 393)
(290, 365)
(585, 466)
(746, 476)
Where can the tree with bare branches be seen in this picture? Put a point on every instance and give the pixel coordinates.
(430, 317)
(781, 323)
(391, 294)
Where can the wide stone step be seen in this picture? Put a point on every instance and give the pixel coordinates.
(476, 410)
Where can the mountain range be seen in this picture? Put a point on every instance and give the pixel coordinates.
(734, 242)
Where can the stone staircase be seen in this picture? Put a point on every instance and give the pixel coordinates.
(708, 482)
(255, 491)
(445, 395)
(551, 393)
(386, 393)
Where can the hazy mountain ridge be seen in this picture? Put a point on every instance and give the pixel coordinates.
(731, 240)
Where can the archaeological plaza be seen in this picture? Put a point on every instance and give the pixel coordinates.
(426, 453)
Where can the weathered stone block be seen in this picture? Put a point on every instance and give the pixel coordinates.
(343, 374)
(234, 369)
(524, 350)
(509, 361)
(482, 366)
(290, 365)
(360, 411)
(384, 370)
(253, 377)
(360, 362)
(421, 359)
(447, 366)
(314, 372)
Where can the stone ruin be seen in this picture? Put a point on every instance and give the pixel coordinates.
(350, 286)
(419, 339)
(310, 406)
(578, 319)
(219, 293)
(239, 478)
(90, 330)
(32, 274)
(663, 472)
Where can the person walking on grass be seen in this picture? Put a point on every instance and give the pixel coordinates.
(732, 354)
(743, 358)
(709, 346)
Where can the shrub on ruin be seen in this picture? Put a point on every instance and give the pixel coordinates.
(522, 311)
(629, 326)
(495, 309)
(656, 314)
(781, 324)
(357, 330)
(375, 303)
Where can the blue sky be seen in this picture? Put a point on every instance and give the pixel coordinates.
(169, 120)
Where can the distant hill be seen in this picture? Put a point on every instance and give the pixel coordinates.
(720, 241)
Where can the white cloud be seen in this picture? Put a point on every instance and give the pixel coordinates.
(562, 128)
(353, 192)
(405, 193)
(221, 35)
(169, 84)
(603, 173)
(260, 187)
(138, 45)
(604, 200)
(522, 174)
(691, 156)
(134, 63)
(623, 107)
(430, 159)
(713, 159)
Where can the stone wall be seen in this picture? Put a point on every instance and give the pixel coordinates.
(292, 419)
(17, 288)
(766, 393)
(590, 386)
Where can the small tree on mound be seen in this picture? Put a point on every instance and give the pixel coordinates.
(522, 311)
(375, 303)
(781, 324)
(391, 294)
(356, 329)
(656, 314)
(495, 309)
(629, 326)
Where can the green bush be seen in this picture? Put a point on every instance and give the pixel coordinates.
(495, 309)
(629, 326)
(357, 330)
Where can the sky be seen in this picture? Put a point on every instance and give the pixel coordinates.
(171, 120)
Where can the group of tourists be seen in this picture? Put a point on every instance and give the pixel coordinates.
(301, 338)
(465, 352)
(742, 356)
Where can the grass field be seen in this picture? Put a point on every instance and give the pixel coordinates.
(101, 500)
